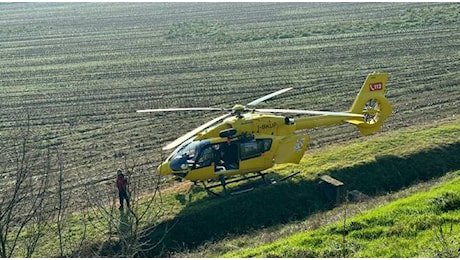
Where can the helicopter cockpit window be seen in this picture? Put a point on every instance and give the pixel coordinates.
(254, 148)
(205, 158)
(185, 156)
(190, 150)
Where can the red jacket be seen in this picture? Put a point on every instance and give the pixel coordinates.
(121, 183)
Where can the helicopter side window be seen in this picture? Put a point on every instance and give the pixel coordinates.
(254, 148)
(249, 150)
(267, 144)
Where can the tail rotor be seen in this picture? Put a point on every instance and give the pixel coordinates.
(372, 104)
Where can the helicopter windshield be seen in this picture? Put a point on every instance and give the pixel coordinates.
(188, 150)
(186, 154)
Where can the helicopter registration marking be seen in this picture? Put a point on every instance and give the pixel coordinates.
(298, 146)
(375, 86)
(267, 126)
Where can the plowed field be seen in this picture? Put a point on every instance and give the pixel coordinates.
(79, 71)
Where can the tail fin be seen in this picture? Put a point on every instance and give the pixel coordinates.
(371, 102)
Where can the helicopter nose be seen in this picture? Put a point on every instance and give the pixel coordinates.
(164, 169)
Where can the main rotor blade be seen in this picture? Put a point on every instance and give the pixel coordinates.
(181, 109)
(310, 112)
(257, 101)
(195, 131)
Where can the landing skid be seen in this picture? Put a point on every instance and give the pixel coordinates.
(223, 182)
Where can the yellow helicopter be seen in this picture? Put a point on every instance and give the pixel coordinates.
(250, 140)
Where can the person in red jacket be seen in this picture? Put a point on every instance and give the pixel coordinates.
(122, 185)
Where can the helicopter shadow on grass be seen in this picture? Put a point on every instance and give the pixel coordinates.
(212, 219)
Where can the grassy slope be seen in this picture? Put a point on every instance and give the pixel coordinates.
(270, 212)
(409, 227)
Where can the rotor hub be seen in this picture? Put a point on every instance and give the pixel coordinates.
(238, 109)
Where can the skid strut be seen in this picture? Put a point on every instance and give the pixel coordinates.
(223, 182)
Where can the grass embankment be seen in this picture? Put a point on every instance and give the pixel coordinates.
(423, 225)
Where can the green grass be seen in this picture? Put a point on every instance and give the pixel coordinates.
(423, 225)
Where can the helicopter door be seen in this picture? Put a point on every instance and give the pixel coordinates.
(203, 167)
(226, 157)
(291, 149)
(255, 155)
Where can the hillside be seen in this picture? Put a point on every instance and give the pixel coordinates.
(73, 75)
(426, 224)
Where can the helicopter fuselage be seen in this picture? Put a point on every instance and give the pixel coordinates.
(241, 144)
